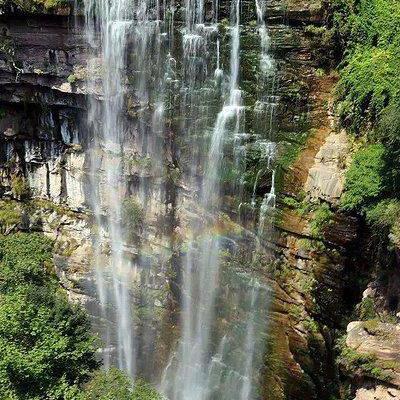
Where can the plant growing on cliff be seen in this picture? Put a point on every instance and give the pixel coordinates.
(384, 216)
(368, 32)
(133, 217)
(365, 179)
(34, 5)
(10, 215)
(352, 362)
(323, 216)
(47, 350)
(20, 187)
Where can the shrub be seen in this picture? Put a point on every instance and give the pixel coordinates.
(367, 309)
(388, 132)
(143, 391)
(384, 214)
(109, 385)
(72, 79)
(133, 216)
(311, 245)
(34, 5)
(115, 384)
(46, 349)
(322, 218)
(23, 260)
(365, 179)
(368, 29)
(20, 187)
(44, 341)
(368, 83)
(10, 215)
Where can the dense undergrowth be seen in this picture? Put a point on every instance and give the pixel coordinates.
(47, 350)
(369, 107)
(34, 5)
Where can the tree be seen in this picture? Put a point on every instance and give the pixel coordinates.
(46, 348)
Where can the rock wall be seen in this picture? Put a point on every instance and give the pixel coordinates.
(44, 170)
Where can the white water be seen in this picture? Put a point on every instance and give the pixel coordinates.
(265, 111)
(223, 311)
(108, 183)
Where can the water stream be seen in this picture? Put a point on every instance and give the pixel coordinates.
(156, 68)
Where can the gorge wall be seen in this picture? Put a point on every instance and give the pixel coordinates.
(318, 252)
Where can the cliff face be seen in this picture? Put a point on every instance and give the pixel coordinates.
(44, 173)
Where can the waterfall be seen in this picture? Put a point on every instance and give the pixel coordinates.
(155, 77)
(265, 110)
(108, 180)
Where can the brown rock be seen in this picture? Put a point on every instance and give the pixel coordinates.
(380, 340)
(377, 393)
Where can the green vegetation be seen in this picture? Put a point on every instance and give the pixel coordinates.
(47, 350)
(20, 187)
(10, 215)
(365, 179)
(295, 143)
(321, 219)
(384, 214)
(366, 309)
(368, 97)
(132, 216)
(114, 384)
(311, 325)
(316, 246)
(354, 362)
(368, 29)
(369, 101)
(34, 5)
(72, 79)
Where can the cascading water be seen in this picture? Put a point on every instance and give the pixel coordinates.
(149, 71)
(265, 110)
(113, 21)
(201, 268)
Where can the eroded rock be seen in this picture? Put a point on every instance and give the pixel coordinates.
(378, 392)
(382, 342)
(326, 177)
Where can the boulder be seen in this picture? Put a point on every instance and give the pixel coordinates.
(378, 392)
(382, 342)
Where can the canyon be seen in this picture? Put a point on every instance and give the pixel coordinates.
(179, 156)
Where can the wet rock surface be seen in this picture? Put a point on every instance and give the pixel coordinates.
(44, 137)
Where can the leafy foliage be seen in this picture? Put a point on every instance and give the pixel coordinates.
(365, 179)
(143, 391)
(368, 29)
(34, 5)
(133, 216)
(24, 258)
(384, 214)
(10, 215)
(368, 84)
(46, 349)
(322, 218)
(109, 385)
(369, 105)
(20, 187)
(388, 133)
(115, 384)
